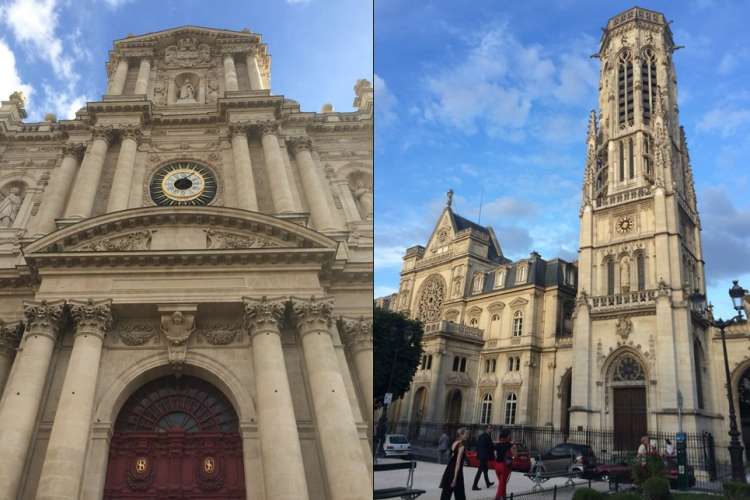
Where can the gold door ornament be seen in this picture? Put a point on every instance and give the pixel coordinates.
(141, 465)
(209, 465)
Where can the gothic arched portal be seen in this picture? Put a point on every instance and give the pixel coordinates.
(627, 381)
(177, 438)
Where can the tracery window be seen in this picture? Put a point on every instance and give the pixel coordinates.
(631, 162)
(431, 299)
(648, 83)
(517, 324)
(486, 413)
(627, 369)
(622, 161)
(610, 265)
(640, 263)
(625, 89)
(511, 403)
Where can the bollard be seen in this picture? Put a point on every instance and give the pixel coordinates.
(554, 493)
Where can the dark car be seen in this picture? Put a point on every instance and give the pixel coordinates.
(621, 473)
(521, 462)
(567, 458)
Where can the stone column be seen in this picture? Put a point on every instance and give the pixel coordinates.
(144, 70)
(62, 471)
(357, 336)
(320, 211)
(279, 440)
(119, 194)
(58, 187)
(243, 169)
(345, 466)
(281, 190)
(351, 211)
(230, 73)
(10, 336)
(23, 392)
(82, 198)
(253, 70)
(117, 84)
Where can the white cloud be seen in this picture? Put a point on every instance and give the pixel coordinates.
(11, 80)
(385, 101)
(62, 103)
(508, 206)
(114, 4)
(724, 120)
(727, 64)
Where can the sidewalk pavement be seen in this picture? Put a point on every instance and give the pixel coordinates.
(427, 477)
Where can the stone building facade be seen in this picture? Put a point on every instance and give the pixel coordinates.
(186, 274)
(639, 359)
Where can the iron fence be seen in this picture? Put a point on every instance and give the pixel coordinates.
(608, 446)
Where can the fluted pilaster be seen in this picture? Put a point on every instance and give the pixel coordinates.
(346, 469)
(144, 71)
(243, 168)
(23, 392)
(119, 193)
(279, 438)
(66, 452)
(230, 73)
(82, 198)
(117, 83)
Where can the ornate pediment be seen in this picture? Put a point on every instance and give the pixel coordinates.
(458, 378)
(512, 378)
(518, 302)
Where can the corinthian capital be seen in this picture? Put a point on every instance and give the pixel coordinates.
(130, 132)
(73, 149)
(43, 318)
(103, 132)
(301, 143)
(264, 314)
(313, 314)
(10, 336)
(240, 128)
(356, 333)
(91, 317)
(267, 128)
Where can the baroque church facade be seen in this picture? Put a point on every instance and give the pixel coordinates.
(609, 341)
(186, 272)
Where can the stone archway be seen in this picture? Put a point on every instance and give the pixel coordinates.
(417, 411)
(626, 386)
(453, 404)
(176, 437)
(566, 383)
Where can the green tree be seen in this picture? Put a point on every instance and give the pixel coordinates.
(398, 348)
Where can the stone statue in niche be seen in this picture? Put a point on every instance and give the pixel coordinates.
(187, 92)
(362, 192)
(212, 91)
(625, 275)
(9, 207)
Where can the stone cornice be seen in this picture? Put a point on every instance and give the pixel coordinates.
(20, 277)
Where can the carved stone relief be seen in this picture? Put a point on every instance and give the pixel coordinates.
(187, 53)
(224, 240)
(135, 332)
(139, 240)
(431, 299)
(219, 333)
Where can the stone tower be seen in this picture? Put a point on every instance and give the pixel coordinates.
(639, 354)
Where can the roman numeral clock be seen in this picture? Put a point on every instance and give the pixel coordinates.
(183, 183)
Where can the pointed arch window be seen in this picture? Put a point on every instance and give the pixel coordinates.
(517, 324)
(622, 161)
(647, 155)
(486, 413)
(463, 365)
(511, 403)
(648, 83)
(625, 89)
(640, 264)
(631, 162)
(610, 264)
(698, 361)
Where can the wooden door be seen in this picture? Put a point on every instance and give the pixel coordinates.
(629, 410)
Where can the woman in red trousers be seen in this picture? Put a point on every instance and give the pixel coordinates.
(504, 451)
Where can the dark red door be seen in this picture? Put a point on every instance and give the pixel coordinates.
(629, 416)
(176, 439)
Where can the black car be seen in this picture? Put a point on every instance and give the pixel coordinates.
(567, 458)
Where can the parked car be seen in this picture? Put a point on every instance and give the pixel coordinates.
(521, 462)
(621, 473)
(396, 445)
(567, 458)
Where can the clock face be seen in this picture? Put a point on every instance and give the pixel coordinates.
(183, 183)
(624, 225)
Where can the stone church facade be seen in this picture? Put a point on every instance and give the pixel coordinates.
(186, 282)
(616, 345)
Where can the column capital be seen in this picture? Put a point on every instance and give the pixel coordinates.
(301, 143)
(313, 314)
(356, 333)
(268, 128)
(103, 132)
(91, 317)
(239, 128)
(43, 318)
(130, 132)
(264, 314)
(74, 150)
(10, 336)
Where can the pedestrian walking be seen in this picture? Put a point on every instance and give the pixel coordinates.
(670, 449)
(444, 446)
(452, 482)
(485, 451)
(505, 450)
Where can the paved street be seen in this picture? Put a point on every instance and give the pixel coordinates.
(427, 477)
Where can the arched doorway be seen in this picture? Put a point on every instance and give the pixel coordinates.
(176, 438)
(627, 380)
(565, 396)
(453, 407)
(417, 412)
(743, 396)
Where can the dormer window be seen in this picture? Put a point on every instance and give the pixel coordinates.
(500, 278)
(522, 272)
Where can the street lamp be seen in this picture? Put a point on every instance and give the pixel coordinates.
(698, 302)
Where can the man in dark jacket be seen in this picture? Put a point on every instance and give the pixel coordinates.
(485, 452)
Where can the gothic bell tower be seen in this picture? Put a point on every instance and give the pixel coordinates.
(638, 353)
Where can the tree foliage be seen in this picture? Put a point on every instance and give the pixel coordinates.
(396, 338)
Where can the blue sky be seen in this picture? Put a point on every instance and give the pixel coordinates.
(493, 101)
(56, 50)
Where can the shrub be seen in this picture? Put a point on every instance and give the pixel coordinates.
(656, 488)
(734, 490)
(645, 468)
(587, 494)
(624, 495)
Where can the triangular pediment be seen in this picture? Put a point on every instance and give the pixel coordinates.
(180, 229)
(188, 30)
(443, 234)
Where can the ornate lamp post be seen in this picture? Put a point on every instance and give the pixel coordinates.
(698, 301)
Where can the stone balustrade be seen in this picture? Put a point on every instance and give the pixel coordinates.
(454, 329)
(624, 196)
(622, 300)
